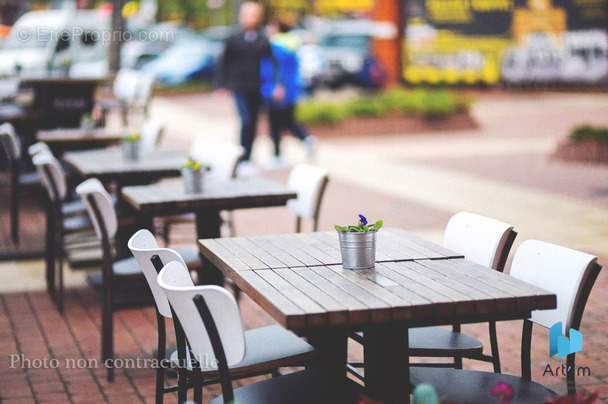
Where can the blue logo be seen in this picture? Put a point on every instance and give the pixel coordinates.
(562, 346)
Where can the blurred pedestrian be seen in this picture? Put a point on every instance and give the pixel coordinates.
(284, 73)
(239, 72)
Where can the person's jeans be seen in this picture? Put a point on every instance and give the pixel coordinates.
(248, 105)
(280, 119)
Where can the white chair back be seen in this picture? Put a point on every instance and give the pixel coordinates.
(51, 174)
(10, 141)
(479, 238)
(125, 85)
(37, 148)
(9, 86)
(175, 281)
(308, 181)
(105, 214)
(145, 87)
(221, 157)
(151, 130)
(557, 269)
(143, 246)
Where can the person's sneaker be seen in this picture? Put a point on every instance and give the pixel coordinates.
(311, 147)
(274, 163)
(246, 169)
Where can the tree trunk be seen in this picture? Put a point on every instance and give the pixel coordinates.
(117, 35)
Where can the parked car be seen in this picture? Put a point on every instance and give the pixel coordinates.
(347, 49)
(185, 60)
(49, 39)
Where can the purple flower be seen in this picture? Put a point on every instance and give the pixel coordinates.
(362, 220)
(504, 392)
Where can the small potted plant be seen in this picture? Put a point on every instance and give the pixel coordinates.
(130, 146)
(86, 122)
(192, 175)
(358, 244)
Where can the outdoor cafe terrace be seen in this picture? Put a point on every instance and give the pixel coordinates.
(502, 169)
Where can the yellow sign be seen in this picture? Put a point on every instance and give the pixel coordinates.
(344, 6)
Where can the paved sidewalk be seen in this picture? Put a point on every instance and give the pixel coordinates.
(502, 169)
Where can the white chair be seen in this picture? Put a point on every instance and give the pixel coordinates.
(124, 90)
(310, 182)
(218, 341)
(9, 86)
(222, 159)
(150, 134)
(11, 144)
(146, 83)
(145, 249)
(64, 220)
(114, 273)
(568, 273)
(487, 242)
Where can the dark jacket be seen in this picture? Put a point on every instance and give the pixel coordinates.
(239, 66)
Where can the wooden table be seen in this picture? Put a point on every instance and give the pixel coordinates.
(325, 302)
(169, 198)
(63, 99)
(65, 139)
(109, 164)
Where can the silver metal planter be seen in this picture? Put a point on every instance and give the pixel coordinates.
(193, 180)
(130, 150)
(358, 249)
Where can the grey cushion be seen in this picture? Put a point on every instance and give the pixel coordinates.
(470, 386)
(305, 387)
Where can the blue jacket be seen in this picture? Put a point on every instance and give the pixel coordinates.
(284, 52)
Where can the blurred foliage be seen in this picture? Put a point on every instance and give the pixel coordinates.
(426, 103)
(589, 133)
(322, 113)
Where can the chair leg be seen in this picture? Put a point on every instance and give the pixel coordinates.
(160, 357)
(15, 203)
(526, 346)
(50, 252)
(457, 359)
(570, 364)
(494, 346)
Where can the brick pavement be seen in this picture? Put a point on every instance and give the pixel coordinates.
(416, 182)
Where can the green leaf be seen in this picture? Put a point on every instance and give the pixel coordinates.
(378, 225)
(340, 228)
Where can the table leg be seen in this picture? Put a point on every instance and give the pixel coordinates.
(208, 225)
(387, 373)
(331, 346)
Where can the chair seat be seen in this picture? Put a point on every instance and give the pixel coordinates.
(470, 386)
(437, 342)
(267, 347)
(191, 257)
(73, 207)
(305, 387)
(77, 223)
(442, 342)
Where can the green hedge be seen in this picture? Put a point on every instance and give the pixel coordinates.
(429, 104)
(588, 132)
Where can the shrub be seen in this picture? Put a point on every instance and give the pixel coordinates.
(430, 104)
(588, 132)
(321, 113)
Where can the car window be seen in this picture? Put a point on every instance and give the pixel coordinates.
(63, 42)
(89, 38)
(345, 41)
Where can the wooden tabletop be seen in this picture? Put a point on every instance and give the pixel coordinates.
(78, 135)
(109, 163)
(417, 291)
(63, 79)
(313, 249)
(169, 197)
